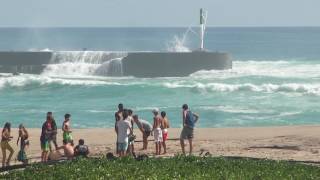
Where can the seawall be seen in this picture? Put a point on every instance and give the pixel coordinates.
(171, 64)
(139, 64)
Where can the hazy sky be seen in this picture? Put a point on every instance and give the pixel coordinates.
(110, 13)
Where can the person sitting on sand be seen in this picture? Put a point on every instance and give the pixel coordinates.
(122, 129)
(81, 149)
(44, 139)
(66, 128)
(145, 127)
(23, 137)
(164, 127)
(157, 121)
(68, 149)
(188, 120)
(5, 138)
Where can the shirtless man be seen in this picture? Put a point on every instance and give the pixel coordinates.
(157, 120)
(66, 128)
(68, 149)
(164, 127)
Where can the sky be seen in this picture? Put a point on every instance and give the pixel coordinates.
(157, 13)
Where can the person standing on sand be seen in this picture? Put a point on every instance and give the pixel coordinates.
(157, 121)
(164, 127)
(66, 128)
(44, 139)
(188, 121)
(54, 131)
(23, 137)
(123, 130)
(118, 116)
(5, 138)
(146, 129)
(131, 142)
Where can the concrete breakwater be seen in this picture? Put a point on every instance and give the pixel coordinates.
(138, 64)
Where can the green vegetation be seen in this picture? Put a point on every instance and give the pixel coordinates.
(168, 168)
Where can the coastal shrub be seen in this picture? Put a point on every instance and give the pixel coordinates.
(168, 168)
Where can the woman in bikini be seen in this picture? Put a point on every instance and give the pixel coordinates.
(23, 137)
(5, 138)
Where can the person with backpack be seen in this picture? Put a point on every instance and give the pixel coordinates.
(23, 137)
(188, 121)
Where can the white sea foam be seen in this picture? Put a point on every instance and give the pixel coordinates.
(281, 69)
(85, 63)
(266, 88)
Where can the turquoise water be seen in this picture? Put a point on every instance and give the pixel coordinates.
(275, 79)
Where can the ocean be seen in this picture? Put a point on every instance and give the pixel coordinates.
(275, 78)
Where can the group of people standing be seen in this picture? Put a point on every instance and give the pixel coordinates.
(47, 138)
(124, 123)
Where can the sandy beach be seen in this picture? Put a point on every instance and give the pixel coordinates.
(300, 143)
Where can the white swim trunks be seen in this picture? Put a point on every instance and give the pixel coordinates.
(158, 135)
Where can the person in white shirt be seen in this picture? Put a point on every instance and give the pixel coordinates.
(123, 129)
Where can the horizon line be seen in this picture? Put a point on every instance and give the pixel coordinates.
(157, 27)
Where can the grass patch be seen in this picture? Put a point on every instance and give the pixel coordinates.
(168, 168)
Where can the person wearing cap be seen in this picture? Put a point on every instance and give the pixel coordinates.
(66, 128)
(157, 121)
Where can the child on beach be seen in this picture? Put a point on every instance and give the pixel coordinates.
(81, 149)
(157, 121)
(164, 127)
(5, 138)
(66, 128)
(123, 129)
(23, 137)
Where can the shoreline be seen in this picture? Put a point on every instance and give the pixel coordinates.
(300, 143)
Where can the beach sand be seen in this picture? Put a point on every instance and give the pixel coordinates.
(300, 143)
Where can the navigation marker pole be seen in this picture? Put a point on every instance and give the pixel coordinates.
(203, 21)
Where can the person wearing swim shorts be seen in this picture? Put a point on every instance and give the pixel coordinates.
(5, 138)
(188, 121)
(44, 139)
(66, 128)
(164, 127)
(157, 131)
(145, 127)
(123, 129)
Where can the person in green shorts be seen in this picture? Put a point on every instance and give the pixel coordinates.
(67, 133)
(44, 139)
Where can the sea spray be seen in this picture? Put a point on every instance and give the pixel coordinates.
(85, 63)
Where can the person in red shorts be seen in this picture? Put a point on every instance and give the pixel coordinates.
(164, 127)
